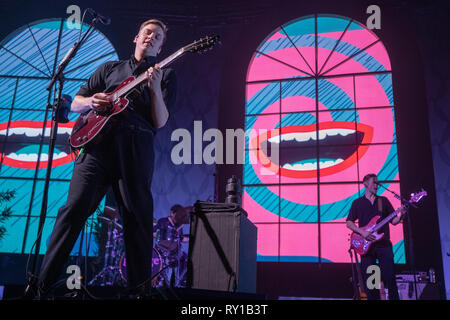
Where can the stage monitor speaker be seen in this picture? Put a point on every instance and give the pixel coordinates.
(222, 251)
(425, 289)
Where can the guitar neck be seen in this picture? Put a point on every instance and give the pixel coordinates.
(386, 220)
(143, 77)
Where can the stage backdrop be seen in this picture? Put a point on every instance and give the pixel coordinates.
(321, 86)
(29, 56)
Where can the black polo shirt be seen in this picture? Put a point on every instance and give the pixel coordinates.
(111, 74)
(363, 210)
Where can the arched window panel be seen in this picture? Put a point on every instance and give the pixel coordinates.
(63, 158)
(301, 34)
(374, 90)
(94, 52)
(334, 237)
(258, 171)
(345, 47)
(285, 45)
(262, 203)
(332, 127)
(336, 93)
(336, 200)
(380, 159)
(268, 242)
(380, 121)
(329, 30)
(265, 68)
(46, 233)
(31, 50)
(31, 94)
(4, 120)
(21, 201)
(7, 87)
(298, 96)
(57, 197)
(22, 144)
(298, 203)
(13, 238)
(263, 98)
(27, 60)
(299, 242)
(260, 129)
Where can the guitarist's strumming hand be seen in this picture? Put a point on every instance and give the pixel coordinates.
(367, 235)
(99, 102)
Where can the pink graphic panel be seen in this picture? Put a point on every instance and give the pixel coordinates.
(299, 240)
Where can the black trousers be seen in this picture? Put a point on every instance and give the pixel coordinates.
(385, 256)
(124, 159)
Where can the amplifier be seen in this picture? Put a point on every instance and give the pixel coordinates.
(222, 249)
(425, 289)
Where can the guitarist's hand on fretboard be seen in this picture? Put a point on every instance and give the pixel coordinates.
(99, 102)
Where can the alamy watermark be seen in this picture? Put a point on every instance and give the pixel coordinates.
(374, 280)
(263, 143)
(74, 280)
(374, 20)
(74, 20)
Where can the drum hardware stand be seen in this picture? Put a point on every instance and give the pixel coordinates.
(110, 274)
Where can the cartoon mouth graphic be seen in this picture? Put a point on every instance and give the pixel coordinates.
(21, 146)
(340, 145)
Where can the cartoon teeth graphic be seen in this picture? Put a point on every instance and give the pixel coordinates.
(319, 90)
(21, 144)
(340, 145)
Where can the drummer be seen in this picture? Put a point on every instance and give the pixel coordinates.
(173, 224)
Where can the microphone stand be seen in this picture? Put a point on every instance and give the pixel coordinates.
(58, 76)
(410, 238)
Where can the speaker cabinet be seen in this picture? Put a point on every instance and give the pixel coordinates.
(222, 251)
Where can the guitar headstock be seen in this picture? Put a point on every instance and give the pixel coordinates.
(203, 44)
(415, 197)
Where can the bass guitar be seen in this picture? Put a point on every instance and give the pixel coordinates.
(362, 245)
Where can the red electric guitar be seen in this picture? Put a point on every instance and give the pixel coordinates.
(362, 245)
(89, 125)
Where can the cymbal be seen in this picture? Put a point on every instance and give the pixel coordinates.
(111, 222)
(112, 212)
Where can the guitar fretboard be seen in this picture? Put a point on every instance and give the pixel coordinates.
(386, 220)
(142, 77)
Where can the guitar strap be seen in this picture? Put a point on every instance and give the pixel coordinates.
(380, 205)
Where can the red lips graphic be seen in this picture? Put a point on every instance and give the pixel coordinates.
(301, 133)
(30, 132)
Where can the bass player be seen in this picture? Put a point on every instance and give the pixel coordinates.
(364, 209)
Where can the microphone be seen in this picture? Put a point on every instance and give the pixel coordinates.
(63, 61)
(105, 20)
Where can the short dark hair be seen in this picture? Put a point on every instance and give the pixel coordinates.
(175, 208)
(368, 176)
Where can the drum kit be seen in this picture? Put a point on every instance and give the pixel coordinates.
(168, 259)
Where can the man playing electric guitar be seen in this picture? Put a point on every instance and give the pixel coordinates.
(122, 158)
(364, 209)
